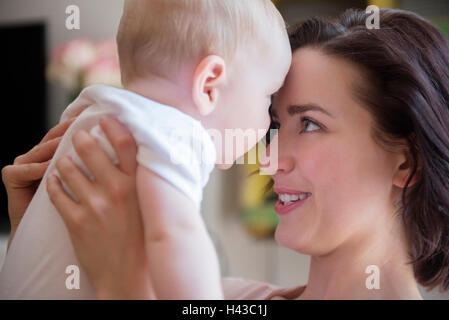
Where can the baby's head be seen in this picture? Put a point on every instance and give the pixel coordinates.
(227, 57)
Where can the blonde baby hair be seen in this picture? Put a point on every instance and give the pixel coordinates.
(155, 36)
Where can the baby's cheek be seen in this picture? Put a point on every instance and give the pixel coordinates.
(259, 117)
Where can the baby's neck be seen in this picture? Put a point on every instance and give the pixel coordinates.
(165, 92)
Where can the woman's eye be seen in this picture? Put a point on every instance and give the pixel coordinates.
(309, 125)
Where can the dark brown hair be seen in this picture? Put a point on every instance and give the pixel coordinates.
(406, 67)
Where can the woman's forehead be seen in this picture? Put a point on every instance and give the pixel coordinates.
(317, 78)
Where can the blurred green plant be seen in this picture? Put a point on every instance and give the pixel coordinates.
(257, 204)
(261, 221)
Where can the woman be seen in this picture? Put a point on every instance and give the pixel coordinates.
(363, 124)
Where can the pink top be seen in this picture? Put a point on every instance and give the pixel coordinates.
(245, 289)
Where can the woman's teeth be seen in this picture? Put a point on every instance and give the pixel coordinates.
(289, 198)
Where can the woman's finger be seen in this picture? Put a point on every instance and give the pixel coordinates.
(67, 208)
(73, 177)
(93, 156)
(24, 174)
(40, 153)
(123, 143)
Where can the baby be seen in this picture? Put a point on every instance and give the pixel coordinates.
(189, 68)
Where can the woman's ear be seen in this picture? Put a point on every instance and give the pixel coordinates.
(404, 170)
(209, 75)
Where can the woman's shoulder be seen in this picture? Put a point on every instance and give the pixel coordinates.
(247, 289)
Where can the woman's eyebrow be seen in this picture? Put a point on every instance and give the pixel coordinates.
(297, 109)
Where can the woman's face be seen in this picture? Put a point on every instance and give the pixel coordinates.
(326, 149)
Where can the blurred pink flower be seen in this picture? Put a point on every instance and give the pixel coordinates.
(81, 63)
(107, 49)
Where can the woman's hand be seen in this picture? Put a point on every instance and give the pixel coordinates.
(105, 225)
(22, 178)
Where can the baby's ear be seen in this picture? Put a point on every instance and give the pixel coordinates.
(209, 75)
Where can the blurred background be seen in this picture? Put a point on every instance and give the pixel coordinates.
(45, 65)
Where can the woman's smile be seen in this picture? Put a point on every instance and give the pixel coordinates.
(289, 200)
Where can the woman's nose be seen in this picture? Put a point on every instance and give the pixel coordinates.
(284, 161)
(285, 164)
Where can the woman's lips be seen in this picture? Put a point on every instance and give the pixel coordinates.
(282, 209)
(280, 190)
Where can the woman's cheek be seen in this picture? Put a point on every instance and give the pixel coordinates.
(330, 171)
(323, 167)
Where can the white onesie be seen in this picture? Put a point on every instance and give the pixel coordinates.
(39, 263)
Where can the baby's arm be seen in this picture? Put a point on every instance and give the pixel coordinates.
(182, 258)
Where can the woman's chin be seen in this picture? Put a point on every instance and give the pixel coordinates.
(286, 237)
